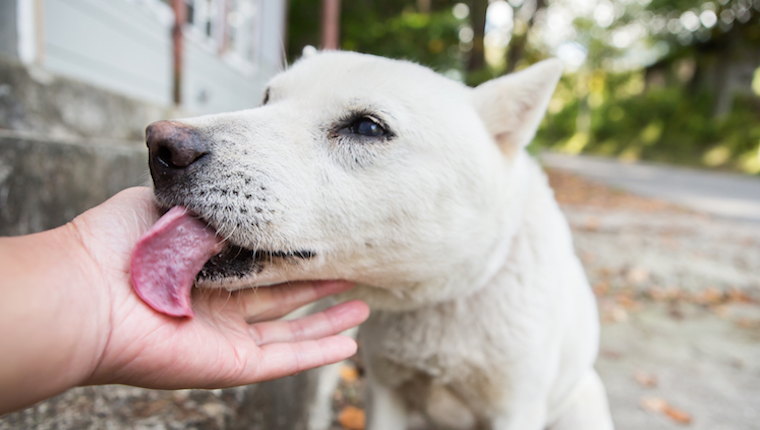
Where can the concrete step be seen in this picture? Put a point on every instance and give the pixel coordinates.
(45, 183)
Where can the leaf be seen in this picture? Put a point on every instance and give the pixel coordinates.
(637, 275)
(710, 296)
(677, 415)
(352, 418)
(601, 288)
(653, 404)
(644, 379)
(660, 405)
(348, 374)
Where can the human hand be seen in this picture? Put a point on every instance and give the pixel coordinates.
(71, 317)
(231, 340)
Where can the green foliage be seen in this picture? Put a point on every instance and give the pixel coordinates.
(430, 39)
(303, 26)
(693, 106)
(680, 109)
(387, 28)
(661, 124)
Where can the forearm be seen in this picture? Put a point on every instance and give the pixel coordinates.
(47, 344)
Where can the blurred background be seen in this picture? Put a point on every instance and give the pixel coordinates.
(651, 142)
(673, 81)
(662, 80)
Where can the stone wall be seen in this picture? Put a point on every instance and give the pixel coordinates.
(46, 183)
(34, 101)
(65, 146)
(8, 29)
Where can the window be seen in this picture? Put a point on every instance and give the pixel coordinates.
(242, 24)
(202, 16)
(230, 27)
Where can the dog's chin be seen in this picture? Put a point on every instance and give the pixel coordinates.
(238, 267)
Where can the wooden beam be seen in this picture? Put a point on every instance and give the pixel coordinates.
(330, 24)
(180, 17)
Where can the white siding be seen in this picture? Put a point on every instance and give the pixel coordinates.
(126, 47)
(273, 27)
(211, 86)
(115, 44)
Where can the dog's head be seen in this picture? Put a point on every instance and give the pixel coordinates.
(360, 168)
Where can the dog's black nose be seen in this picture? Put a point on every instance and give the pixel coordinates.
(175, 150)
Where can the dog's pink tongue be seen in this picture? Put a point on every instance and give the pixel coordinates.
(167, 259)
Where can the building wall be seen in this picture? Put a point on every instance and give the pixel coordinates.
(125, 46)
(211, 86)
(8, 30)
(273, 27)
(115, 44)
(217, 83)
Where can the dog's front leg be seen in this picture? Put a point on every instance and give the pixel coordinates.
(523, 405)
(522, 416)
(386, 409)
(588, 408)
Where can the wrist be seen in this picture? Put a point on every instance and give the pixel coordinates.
(51, 319)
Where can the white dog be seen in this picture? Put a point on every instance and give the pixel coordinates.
(420, 189)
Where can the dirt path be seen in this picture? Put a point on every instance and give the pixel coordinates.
(730, 195)
(678, 295)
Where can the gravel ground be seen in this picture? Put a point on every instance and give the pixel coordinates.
(679, 298)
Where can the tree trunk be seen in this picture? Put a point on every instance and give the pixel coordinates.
(330, 24)
(477, 58)
(516, 49)
(423, 6)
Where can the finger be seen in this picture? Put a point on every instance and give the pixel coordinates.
(284, 359)
(332, 321)
(268, 303)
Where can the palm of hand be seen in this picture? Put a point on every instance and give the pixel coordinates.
(231, 340)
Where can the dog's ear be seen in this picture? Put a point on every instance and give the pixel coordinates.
(512, 106)
(308, 51)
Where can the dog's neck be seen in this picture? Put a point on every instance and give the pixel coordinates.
(518, 209)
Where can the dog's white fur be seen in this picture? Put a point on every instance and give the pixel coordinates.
(481, 313)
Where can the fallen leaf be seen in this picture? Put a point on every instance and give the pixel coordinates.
(677, 415)
(710, 296)
(637, 275)
(352, 418)
(660, 405)
(611, 354)
(348, 373)
(604, 272)
(722, 311)
(661, 294)
(601, 288)
(653, 404)
(737, 295)
(644, 379)
(614, 313)
(747, 323)
(587, 257)
(628, 303)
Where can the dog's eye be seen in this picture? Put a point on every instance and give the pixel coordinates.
(366, 126)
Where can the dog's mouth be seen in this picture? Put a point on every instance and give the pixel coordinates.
(237, 262)
(181, 249)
